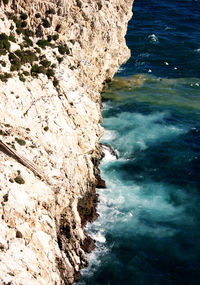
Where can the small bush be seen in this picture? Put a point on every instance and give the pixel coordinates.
(4, 42)
(19, 31)
(53, 65)
(43, 43)
(18, 52)
(59, 59)
(3, 36)
(55, 37)
(5, 2)
(20, 141)
(2, 52)
(4, 77)
(21, 77)
(14, 18)
(28, 42)
(18, 179)
(12, 38)
(26, 73)
(72, 67)
(15, 62)
(46, 23)
(50, 11)
(38, 15)
(55, 82)
(38, 50)
(28, 33)
(23, 24)
(63, 49)
(36, 69)
(11, 27)
(46, 129)
(49, 38)
(23, 16)
(57, 29)
(18, 23)
(3, 63)
(50, 72)
(26, 56)
(45, 63)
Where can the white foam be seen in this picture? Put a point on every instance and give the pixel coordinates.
(99, 237)
(140, 131)
(109, 135)
(121, 69)
(153, 38)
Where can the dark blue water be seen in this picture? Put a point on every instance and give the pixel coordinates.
(148, 231)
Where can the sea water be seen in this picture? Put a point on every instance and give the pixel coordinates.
(148, 231)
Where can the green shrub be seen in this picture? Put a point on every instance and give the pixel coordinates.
(23, 16)
(45, 63)
(20, 141)
(14, 18)
(18, 23)
(28, 56)
(12, 38)
(55, 37)
(21, 77)
(18, 179)
(5, 2)
(11, 27)
(50, 11)
(2, 52)
(38, 15)
(38, 50)
(57, 29)
(28, 33)
(53, 65)
(5, 76)
(18, 52)
(46, 129)
(46, 23)
(4, 42)
(19, 31)
(23, 24)
(26, 73)
(55, 82)
(63, 49)
(59, 59)
(49, 38)
(3, 63)
(15, 62)
(28, 42)
(38, 69)
(3, 36)
(72, 67)
(50, 72)
(43, 43)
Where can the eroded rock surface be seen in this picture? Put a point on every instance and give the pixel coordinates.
(53, 119)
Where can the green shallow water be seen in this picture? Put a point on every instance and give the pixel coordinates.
(178, 92)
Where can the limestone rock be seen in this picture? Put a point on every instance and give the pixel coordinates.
(53, 119)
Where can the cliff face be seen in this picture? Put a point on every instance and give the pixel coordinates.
(55, 59)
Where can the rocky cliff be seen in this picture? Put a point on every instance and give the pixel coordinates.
(56, 57)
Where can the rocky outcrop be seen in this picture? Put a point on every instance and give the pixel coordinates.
(55, 59)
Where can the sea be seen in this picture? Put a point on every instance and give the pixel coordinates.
(148, 230)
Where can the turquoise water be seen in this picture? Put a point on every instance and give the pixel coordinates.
(148, 229)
